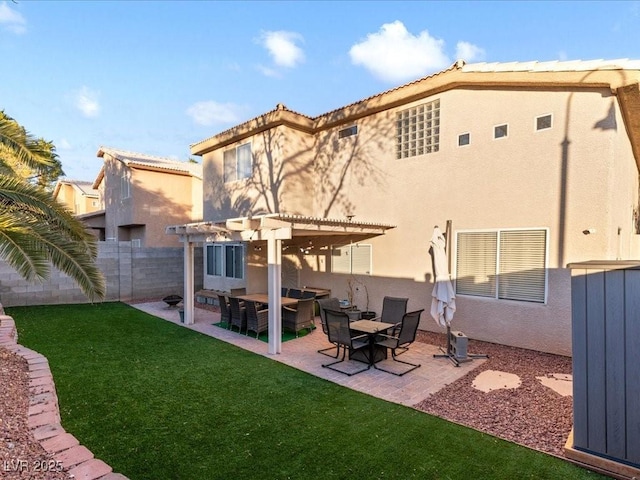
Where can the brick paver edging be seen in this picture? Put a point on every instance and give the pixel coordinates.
(44, 414)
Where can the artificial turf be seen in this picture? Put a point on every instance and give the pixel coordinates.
(158, 401)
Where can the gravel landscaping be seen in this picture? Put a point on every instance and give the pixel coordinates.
(21, 456)
(532, 414)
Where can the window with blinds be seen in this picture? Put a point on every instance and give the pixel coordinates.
(351, 259)
(504, 264)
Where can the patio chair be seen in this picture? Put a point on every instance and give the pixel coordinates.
(225, 312)
(328, 304)
(307, 294)
(339, 333)
(294, 293)
(393, 308)
(238, 314)
(299, 318)
(257, 320)
(405, 337)
(284, 291)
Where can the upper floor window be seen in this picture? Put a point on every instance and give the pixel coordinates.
(237, 163)
(504, 264)
(464, 139)
(353, 259)
(225, 260)
(347, 132)
(544, 122)
(418, 130)
(125, 185)
(501, 131)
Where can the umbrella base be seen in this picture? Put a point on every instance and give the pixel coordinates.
(457, 349)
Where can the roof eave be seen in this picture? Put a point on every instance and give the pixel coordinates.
(266, 121)
(629, 100)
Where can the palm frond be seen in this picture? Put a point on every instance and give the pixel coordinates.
(25, 147)
(36, 230)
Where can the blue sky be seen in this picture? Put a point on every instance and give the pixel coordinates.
(157, 76)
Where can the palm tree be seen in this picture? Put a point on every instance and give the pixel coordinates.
(35, 230)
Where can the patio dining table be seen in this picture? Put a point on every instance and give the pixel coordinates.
(264, 298)
(371, 328)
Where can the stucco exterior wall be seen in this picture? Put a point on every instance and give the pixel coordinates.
(577, 176)
(283, 172)
(156, 199)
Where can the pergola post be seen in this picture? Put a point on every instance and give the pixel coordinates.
(274, 260)
(189, 294)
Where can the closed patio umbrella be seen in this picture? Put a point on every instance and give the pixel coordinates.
(443, 297)
(443, 301)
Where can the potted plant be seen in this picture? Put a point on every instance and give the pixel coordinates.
(354, 286)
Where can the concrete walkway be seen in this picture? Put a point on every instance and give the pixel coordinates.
(302, 353)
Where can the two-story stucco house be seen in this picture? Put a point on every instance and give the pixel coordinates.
(141, 194)
(534, 164)
(79, 196)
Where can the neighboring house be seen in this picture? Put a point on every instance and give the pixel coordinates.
(79, 196)
(535, 164)
(142, 194)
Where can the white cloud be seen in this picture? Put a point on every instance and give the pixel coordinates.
(469, 52)
(283, 48)
(268, 72)
(86, 100)
(64, 144)
(210, 113)
(12, 20)
(393, 54)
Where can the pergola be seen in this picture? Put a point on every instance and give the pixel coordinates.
(277, 230)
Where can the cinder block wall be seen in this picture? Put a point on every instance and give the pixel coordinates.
(130, 274)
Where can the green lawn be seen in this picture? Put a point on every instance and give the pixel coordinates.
(158, 401)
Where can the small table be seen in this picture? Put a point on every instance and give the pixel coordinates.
(372, 328)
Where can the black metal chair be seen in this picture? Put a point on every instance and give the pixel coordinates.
(393, 308)
(238, 314)
(405, 337)
(284, 291)
(225, 312)
(257, 320)
(299, 318)
(328, 304)
(340, 334)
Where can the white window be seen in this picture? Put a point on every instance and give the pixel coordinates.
(352, 259)
(418, 130)
(504, 264)
(225, 260)
(125, 186)
(501, 131)
(347, 132)
(544, 122)
(237, 163)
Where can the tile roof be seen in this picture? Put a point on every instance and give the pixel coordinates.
(394, 95)
(553, 66)
(144, 160)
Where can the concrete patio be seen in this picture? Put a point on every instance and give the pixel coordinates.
(302, 353)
